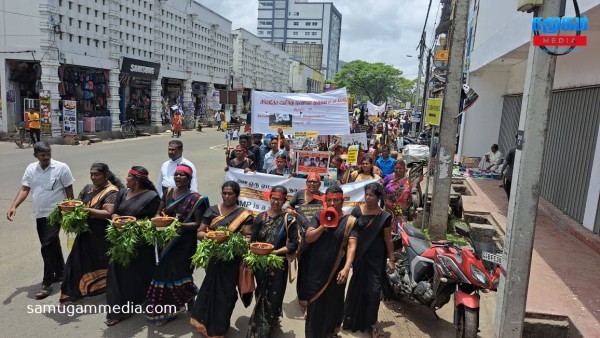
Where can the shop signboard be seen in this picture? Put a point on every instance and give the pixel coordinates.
(45, 113)
(140, 68)
(69, 117)
(433, 114)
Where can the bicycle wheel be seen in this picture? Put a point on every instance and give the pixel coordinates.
(23, 140)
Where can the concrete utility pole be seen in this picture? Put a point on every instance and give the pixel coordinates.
(525, 193)
(438, 221)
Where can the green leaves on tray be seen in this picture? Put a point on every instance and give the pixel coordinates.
(72, 222)
(263, 262)
(233, 247)
(124, 241)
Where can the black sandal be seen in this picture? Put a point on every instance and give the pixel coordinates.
(113, 322)
(44, 292)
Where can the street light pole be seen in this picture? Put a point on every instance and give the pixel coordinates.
(417, 93)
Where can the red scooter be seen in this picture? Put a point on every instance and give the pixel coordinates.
(431, 273)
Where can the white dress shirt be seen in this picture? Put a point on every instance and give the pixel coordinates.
(167, 170)
(47, 186)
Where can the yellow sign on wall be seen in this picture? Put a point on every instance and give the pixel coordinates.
(441, 55)
(433, 113)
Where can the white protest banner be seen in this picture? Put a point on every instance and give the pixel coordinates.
(254, 184)
(312, 161)
(359, 139)
(69, 117)
(325, 113)
(373, 109)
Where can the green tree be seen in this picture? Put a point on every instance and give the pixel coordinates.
(375, 81)
(406, 89)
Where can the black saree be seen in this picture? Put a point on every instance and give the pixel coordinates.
(129, 285)
(216, 299)
(325, 296)
(368, 272)
(271, 284)
(87, 264)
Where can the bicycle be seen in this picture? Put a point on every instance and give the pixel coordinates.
(128, 129)
(22, 138)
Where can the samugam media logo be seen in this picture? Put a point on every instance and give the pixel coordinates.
(553, 25)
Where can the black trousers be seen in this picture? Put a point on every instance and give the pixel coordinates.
(35, 135)
(507, 184)
(54, 263)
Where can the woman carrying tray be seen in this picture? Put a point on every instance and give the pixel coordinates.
(87, 265)
(276, 227)
(173, 283)
(129, 284)
(216, 299)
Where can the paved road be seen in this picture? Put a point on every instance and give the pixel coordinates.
(21, 264)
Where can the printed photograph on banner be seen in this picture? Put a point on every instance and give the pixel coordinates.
(280, 120)
(335, 140)
(312, 161)
(359, 139)
(306, 140)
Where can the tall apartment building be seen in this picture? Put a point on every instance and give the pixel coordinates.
(285, 22)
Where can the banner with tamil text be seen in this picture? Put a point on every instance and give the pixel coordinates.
(325, 113)
(373, 109)
(253, 184)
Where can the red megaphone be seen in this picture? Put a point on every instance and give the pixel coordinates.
(329, 218)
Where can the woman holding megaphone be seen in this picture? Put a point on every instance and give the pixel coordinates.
(332, 242)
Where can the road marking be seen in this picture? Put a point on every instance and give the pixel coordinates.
(219, 146)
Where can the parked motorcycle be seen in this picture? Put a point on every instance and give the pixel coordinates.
(431, 273)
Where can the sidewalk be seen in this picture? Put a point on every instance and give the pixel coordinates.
(565, 268)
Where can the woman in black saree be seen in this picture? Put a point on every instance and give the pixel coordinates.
(278, 228)
(329, 255)
(173, 283)
(129, 284)
(87, 265)
(368, 269)
(309, 195)
(216, 299)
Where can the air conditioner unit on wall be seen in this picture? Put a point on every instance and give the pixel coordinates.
(528, 5)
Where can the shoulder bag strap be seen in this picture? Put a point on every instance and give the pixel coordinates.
(349, 227)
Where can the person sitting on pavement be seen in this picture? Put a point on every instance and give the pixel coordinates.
(491, 161)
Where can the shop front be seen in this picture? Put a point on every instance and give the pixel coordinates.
(135, 93)
(87, 91)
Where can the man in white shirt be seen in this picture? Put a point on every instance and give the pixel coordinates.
(167, 170)
(50, 182)
(491, 160)
(270, 161)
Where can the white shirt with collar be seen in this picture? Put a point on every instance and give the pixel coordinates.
(167, 170)
(47, 186)
(269, 163)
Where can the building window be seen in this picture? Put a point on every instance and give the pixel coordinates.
(268, 32)
(307, 23)
(296, 23)
(294, 33)
(296, 13)
(314, 23)
(306, 33)
(313, 33)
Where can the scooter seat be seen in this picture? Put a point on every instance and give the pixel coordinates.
(418, 245)
(413, 232)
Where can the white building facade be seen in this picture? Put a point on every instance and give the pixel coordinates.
(304, 79)
(116, 58)
(499, 42)
(257, 65)
(302, 22)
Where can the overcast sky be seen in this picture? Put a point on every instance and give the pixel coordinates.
(372, 30)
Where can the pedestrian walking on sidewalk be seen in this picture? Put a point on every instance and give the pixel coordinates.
(50, 182)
